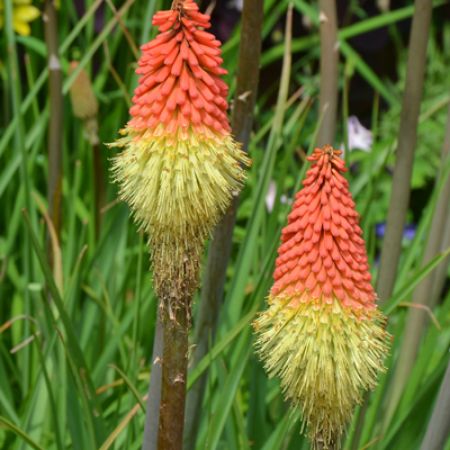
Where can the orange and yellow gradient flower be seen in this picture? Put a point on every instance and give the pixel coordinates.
(322, 333)
(180, 166)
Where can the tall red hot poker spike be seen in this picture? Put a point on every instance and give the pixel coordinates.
(180, 166)
(322, 333)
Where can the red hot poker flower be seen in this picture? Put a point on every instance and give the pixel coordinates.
(180, 165)
(322, 333)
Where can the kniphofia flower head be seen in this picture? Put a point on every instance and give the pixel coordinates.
(322, 333)
(180, 166)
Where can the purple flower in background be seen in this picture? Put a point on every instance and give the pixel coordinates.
(409, 231)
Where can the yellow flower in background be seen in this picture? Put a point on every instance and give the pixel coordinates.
(23, 13)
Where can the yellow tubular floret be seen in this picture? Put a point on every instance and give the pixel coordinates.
(178, 187)
(325, 356)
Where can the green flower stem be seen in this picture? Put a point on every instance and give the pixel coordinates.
(174, 375)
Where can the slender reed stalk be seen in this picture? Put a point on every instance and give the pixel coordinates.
(439, 425)
(417, 317)
(440, 274)
(220, 248)
(55, 136)
(407, 137)
(154, 390)
(329, 73)
(442, 270)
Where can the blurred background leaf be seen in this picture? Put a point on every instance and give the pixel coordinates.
(71, 368)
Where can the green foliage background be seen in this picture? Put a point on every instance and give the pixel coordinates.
(74, 361)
